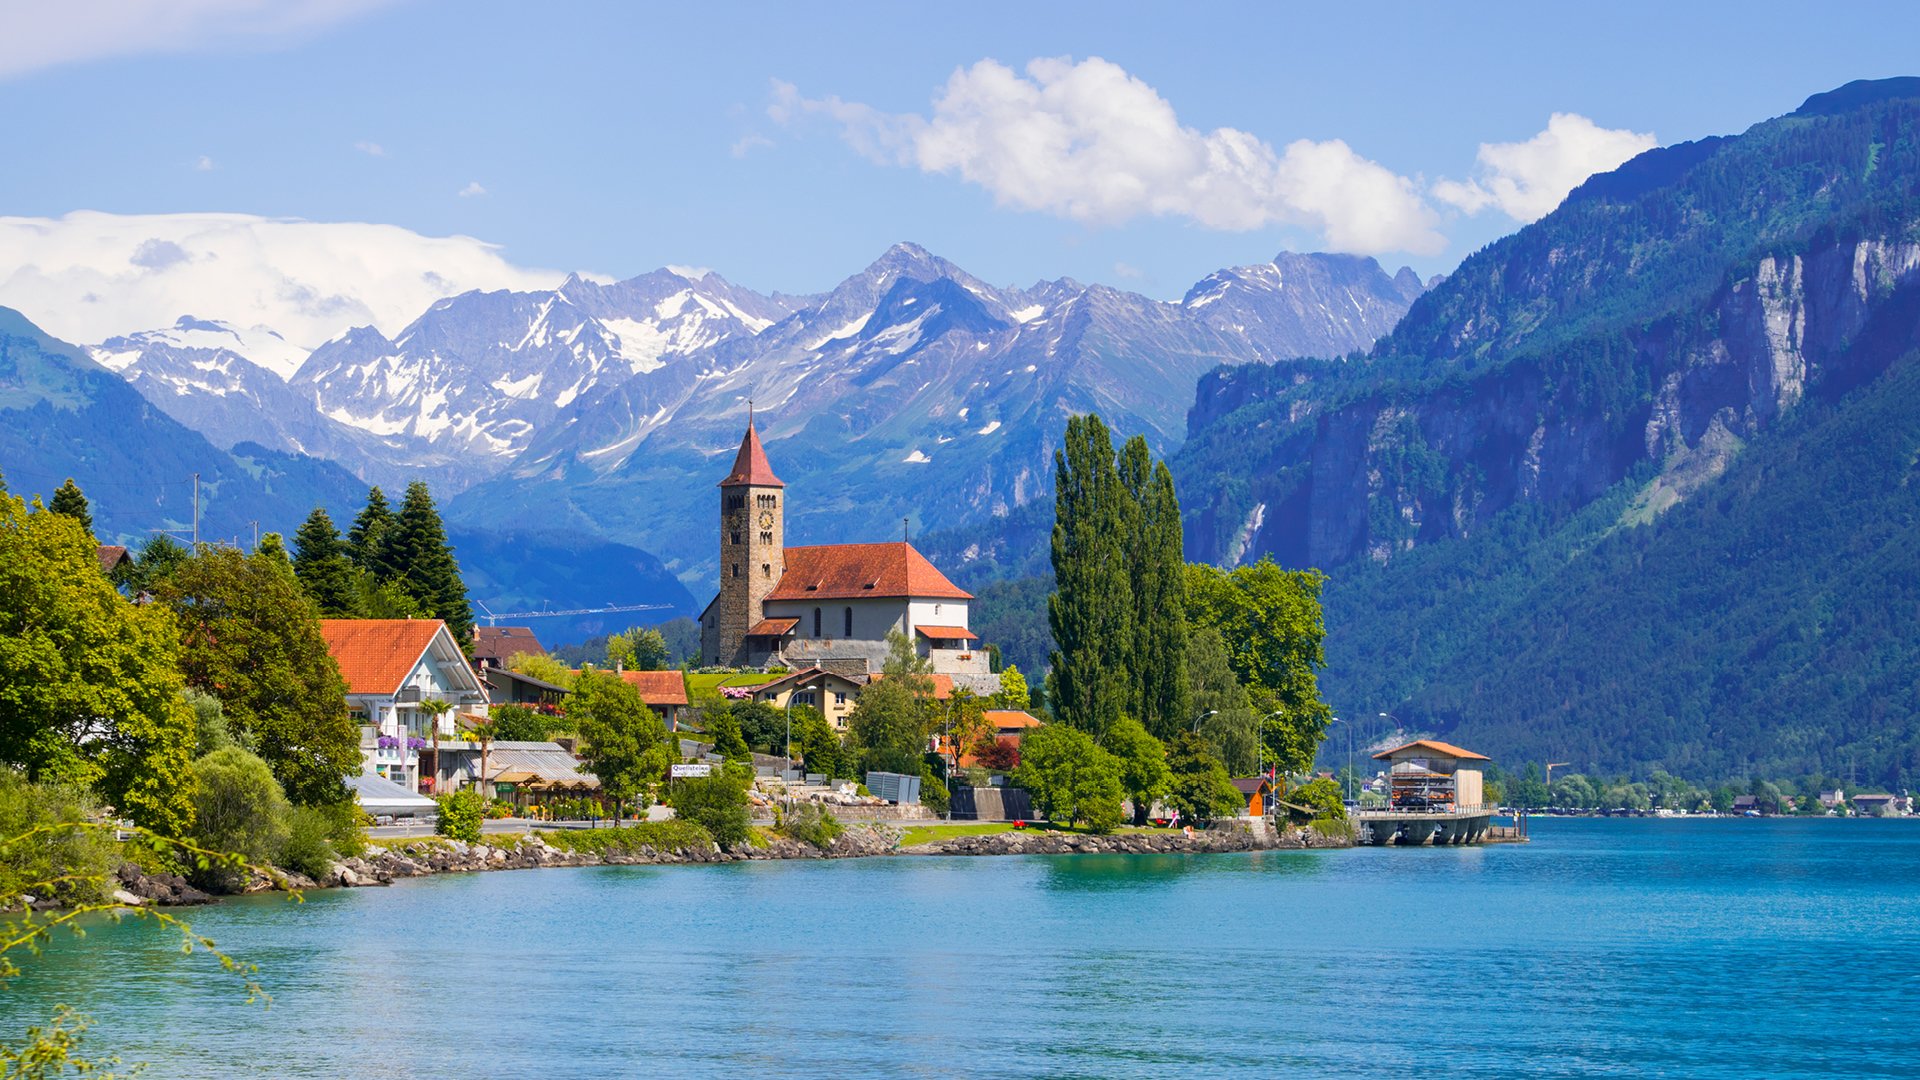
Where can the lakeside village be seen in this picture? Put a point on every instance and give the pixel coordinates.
(274, 705)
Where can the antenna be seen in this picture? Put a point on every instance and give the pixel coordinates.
(904, 522)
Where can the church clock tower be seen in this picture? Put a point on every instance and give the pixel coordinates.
(752, 547)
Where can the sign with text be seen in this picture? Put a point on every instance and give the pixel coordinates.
(683, 772)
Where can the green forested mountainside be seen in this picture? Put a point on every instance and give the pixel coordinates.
(1764, 628)
(1576, 317)
(1633, 488)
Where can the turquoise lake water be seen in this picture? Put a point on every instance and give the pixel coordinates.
(1604, 948)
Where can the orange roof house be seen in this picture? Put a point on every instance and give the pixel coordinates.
(391, 667)
(1431, 746)
(862, 571)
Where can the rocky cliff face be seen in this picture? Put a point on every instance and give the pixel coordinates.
(1379, 474)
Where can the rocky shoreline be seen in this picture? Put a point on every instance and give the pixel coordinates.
(435, 855)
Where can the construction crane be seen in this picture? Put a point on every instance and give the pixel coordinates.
(494, 620)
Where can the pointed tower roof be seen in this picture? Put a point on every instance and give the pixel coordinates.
(750, 465)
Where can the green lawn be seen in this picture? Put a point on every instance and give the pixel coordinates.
(708, 681)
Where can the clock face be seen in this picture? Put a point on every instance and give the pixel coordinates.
(766, 519)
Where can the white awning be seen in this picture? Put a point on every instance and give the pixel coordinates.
(379, 795)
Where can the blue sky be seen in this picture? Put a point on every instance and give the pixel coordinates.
(615, 138)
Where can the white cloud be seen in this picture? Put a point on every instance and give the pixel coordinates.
(42, 35)
(747, 144)
(88, 276)
(1090, 142)
(472, 190)
(371, 149)
(205, 164)
(691, 273)
(1128, 270)
(1526, 180)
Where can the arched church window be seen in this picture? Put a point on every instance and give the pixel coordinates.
(816, 622)
(849, 630)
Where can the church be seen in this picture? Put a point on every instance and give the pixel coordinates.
(829, 606)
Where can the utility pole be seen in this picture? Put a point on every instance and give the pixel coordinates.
(256, 536)
(196, 512)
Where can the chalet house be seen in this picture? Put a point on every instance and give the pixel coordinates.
(831, 693)
(508, 687)
(829, 606)
(665, 692)
(392, 666)
(113, 557)
(496, 646)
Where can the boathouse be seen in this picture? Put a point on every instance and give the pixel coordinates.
(1435, 793)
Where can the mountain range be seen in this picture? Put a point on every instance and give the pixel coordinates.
(912, 390)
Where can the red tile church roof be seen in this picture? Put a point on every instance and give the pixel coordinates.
(750, 465)
(850, 571)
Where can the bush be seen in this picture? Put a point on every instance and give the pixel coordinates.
(460, 814)
(309, 847)
(241, 811)
(675, 835)
(715, 803)
(1322, 796)
(933, 794)
(83, 857)
(346, 826)
(1102, 812)
(811, 823)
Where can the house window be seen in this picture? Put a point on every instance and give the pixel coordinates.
(849, 630)
(804, 697)
(816, 622)
(839, 697)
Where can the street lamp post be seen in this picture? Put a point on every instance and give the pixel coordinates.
(1203, 716)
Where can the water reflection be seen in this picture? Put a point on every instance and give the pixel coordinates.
(1146, 873)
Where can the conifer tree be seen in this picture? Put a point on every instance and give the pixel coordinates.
(1160, 601)
(320, 562)
(416, 549)
(70, 501)
(1091, 610)
(366, 540)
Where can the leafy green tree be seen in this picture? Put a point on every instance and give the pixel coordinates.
(640, 648)
(367, 538)
(69, 866)
(1013, 690)
(415, 548)
(724, 729)
(1091, 610)
(90, 692)
(542, 667)
(251, 638)
(715, 803)
(761, 725)
(326, 573)
(1321, 797)
(888, 727)
(622, 742)
(1143, 765)
(1228, 721)
(819, 745)
(68, 500)
(1270, 621)
(240, 809)
(517, 723)
(1198, 785)
(157, 559)
(1070, 778)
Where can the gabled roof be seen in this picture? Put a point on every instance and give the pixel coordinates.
(945, 633)
(112, 555)
(942, 684)
(1247, 785)
(851, 571)
(496, 675)
(750, 465)
(1010, 718)
(658, 687)
(773, 628)
(502, 643)
(802, 678)
(377, 655)
(1435, 747)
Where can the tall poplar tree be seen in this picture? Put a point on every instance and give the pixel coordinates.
(69, 500)
(1158, 695)
(320, 562)
(416, 548)
(1091, 610)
